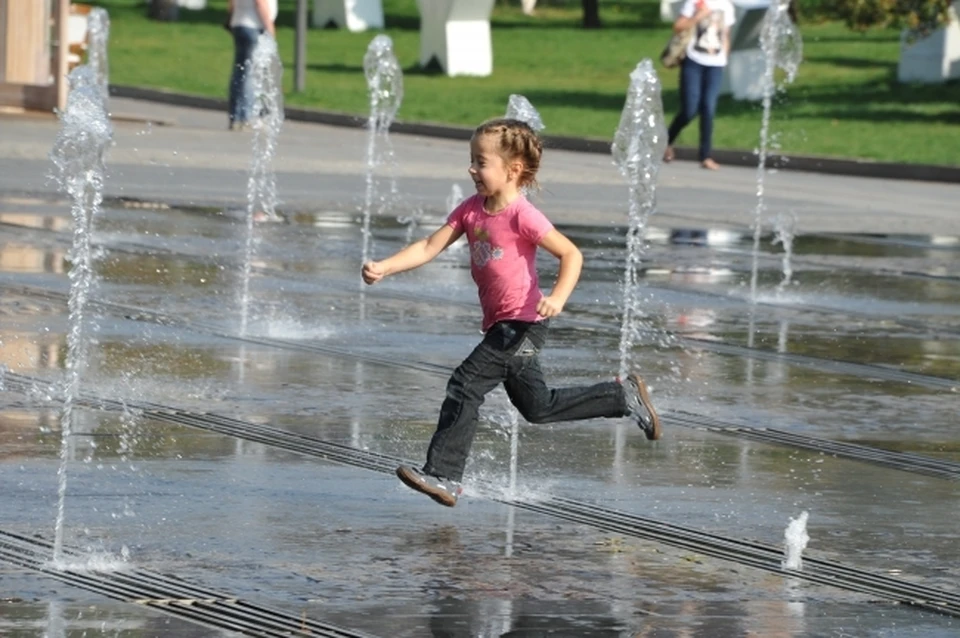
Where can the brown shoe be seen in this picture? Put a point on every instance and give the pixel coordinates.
(669, 155)
(441, 490)
(641, 407)
(710, 165)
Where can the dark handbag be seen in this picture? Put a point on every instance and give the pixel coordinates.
(676, 49)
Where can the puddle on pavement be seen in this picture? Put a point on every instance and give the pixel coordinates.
(367, 370)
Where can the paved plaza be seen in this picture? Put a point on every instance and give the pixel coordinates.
(189, 157)
(228, 476)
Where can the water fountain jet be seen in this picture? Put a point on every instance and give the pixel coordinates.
(77, 155)
(785, 225)
(455, 197)
(266, 71)
(98, 26)
(637, 149)
(385, 87)
(519, 108)
(795, 540)
(783, 49)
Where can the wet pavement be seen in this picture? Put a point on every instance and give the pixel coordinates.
(249, 473)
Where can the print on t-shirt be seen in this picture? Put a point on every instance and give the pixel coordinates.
(482, 250)
(709, 38)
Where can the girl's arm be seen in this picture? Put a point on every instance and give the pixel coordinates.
(413, 256)
(683, 23)
(571, 261)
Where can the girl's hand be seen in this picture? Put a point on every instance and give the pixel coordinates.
(372, 272)
(549, 307)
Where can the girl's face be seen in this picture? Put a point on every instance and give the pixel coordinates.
(491, 174)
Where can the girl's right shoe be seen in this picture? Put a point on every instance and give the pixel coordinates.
(443, 491)
(641, 407)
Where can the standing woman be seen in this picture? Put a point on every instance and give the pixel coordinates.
(248, 19)
(702, 70)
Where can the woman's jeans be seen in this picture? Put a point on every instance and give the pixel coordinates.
(241, 85)
(509, 354)
(699, 91)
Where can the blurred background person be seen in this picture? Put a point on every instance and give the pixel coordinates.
(701, 71)
(247, 21)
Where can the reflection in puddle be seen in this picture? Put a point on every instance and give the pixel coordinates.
(45, 222)
(29, 351)
(24, 258)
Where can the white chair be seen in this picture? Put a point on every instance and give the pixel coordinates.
(194, 5)
(935, 58)
(746, 66)
(456, 33)
(354, 15)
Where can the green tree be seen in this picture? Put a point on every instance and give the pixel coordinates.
(919, 16)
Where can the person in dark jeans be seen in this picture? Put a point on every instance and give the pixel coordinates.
(504, 231)
(240, 103)
(701, 71)
(248, 20)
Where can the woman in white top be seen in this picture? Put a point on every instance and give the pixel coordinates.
(248, 19)
(702, 70)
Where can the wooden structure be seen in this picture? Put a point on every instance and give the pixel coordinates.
(34, 49)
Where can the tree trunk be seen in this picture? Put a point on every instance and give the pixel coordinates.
(163, 10)
(591, 14)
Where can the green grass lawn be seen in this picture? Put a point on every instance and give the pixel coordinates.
(845, 102)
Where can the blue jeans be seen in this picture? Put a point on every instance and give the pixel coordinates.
(241, 85)
(699, 91)
(509, 354)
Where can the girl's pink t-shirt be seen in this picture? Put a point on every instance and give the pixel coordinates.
(503, 255)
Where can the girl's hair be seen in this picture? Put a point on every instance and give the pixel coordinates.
(516, 140)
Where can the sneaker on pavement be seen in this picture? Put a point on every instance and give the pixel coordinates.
(641, 407)
(443, 491)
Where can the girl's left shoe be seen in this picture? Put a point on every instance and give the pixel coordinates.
(443, 491)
